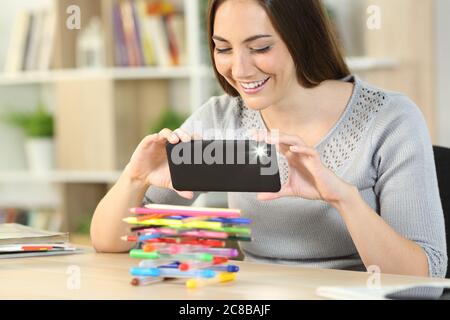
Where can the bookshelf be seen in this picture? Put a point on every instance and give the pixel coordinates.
(42, 77)
(101, 113)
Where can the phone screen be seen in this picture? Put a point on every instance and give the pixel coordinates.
(224, 165)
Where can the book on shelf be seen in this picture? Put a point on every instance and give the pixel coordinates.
(148, 34)
(39, 219)
(32, 41)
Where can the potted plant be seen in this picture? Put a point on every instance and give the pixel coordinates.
(38, 129)
(169, 119)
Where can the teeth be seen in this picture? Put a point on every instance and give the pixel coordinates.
(252, 85)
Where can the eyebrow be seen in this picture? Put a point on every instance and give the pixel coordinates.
(252, 38)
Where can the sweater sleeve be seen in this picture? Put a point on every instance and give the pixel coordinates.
(406, 183)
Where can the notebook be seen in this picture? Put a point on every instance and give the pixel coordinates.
(17, 240)
(381, 293)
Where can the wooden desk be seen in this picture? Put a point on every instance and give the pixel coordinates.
(105, 276)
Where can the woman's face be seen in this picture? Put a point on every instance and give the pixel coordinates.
(250, 54)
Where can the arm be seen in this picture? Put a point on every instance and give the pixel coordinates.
(408, 193)
(107, 226)
(148, 166)
(378, 243)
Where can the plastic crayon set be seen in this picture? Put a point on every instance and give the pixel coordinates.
(185, 242)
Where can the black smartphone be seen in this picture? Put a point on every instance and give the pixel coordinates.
(224, 165)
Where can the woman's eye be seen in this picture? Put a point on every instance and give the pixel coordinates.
(262, 50)
(223, 50)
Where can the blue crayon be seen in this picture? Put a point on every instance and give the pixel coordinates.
(149, 236)
(225, 268)
(171, 273)
(231, 220)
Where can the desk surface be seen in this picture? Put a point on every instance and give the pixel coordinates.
(105, 276)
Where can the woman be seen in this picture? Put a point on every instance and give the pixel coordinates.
(359, 183)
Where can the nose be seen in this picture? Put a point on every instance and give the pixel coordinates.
(242, 67)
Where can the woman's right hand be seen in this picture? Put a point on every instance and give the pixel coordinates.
(149, 165)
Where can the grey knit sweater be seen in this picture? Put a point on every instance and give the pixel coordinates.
(380, 145)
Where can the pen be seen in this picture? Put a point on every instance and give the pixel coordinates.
(159, 263)
(190, 211)
(155, 222)
(150, 216)
(172, 273)
(140, 254)
(225, 268)
(165, 231)
(37, 248)
(201, 225)
(206, 242)
(173, 248)
(205, 234)
(199, 265)
(224, 252)
(235, 230)
(239, 238)
(129, 238)
(146, 237)
(221, 277)
(210, 266)
(143, 281)
(147, 212)
(188, 248)
(232, 220)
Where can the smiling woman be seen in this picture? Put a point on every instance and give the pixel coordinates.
(359, 184)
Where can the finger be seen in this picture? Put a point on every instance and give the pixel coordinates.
(265, 196)
(185, 194)
(148, 140)
(196, 136)
(184, 137)
(169, 135)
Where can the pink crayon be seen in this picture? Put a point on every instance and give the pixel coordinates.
(187, 211)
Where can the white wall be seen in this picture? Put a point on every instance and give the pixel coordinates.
(443, 71)
(351, 21)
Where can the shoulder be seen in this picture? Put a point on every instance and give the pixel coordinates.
(218, 107)
(394, 112)
(398, 121)
(218, 112)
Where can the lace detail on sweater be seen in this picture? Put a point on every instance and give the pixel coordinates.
(343, 142)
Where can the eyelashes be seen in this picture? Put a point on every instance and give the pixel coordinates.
(261, 50)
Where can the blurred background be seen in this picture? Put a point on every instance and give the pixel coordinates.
(83, 81)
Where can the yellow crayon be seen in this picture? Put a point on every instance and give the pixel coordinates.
(221, 277)
(203, 224)
(156, 222)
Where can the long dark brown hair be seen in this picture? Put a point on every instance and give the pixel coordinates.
(307, 32)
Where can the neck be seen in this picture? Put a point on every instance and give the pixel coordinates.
(303, 107)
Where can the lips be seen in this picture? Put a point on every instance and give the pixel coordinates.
(253, 87)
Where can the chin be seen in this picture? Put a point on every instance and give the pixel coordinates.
(256, 103)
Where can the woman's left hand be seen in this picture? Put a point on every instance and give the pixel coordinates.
(308, 177)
